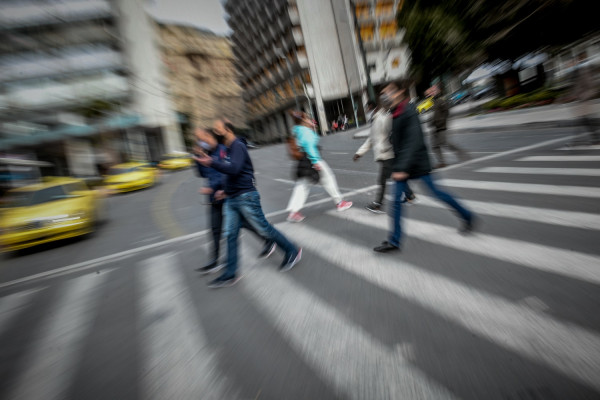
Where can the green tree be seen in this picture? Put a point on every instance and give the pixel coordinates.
(451, 35)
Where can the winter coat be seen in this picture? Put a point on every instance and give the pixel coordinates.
(410, 152)
(440, 114)
(379, 137)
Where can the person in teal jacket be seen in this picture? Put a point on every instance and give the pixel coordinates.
(308, 141)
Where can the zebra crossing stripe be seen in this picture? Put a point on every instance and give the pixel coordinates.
(348, 358)
(560, 158)
(542, 171)
(11, 305)
(564, 347)
(544, 258)
(547, 216)
(177, 361)
(530, 188)
(51, 363)
(581, 147)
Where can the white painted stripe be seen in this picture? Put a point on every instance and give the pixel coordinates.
(11, 305)
(581, 147)
(567, 348)
(288, 181)
(544, 258)
(52, 360)
(532, 188)
(542, 171)
(178, 363)
(560, 158)
(347, 357)
(547, 216)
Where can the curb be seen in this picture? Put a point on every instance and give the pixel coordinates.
(566, 123)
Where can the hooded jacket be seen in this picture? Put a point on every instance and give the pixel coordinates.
(237, 168)
(410, 152)
(379, 137)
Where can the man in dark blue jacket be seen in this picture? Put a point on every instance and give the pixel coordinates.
(242, 203)
(208, 143)
(411, 161)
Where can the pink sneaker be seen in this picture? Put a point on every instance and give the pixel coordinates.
(344, 205)
(295, 217)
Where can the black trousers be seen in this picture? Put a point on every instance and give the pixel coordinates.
(385, 172)
(216, 223)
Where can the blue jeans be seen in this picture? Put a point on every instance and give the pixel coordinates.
(246, 207)
(396, 234)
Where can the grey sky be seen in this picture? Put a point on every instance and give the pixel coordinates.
(208, 14)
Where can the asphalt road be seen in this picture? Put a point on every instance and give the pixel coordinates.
(508, 313)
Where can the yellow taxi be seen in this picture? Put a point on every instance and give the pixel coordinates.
(425, 105)
(175, 161)
(130, 176)
(55, 209)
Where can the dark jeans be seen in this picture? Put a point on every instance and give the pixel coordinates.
(246, 207)
(385, 172)
(216, 220)
(440, 140)
(396, 234)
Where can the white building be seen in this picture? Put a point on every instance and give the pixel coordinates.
(82, 77)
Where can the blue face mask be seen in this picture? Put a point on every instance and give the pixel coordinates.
(203, 145)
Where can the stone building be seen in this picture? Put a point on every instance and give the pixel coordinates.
(202, 75)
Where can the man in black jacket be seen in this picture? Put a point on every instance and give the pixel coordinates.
(439, 136)
(242, 203)
(411, 161)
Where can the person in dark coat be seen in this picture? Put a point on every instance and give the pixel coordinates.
(439, 136)
(411, 161)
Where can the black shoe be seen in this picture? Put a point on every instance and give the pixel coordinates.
(375, 207)
(468, 225)
(440, 165)
(222, 282)
(210, 268)
(386, 247)
(268, 249)
(289, 262)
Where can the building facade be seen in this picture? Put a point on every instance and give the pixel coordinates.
(306, 54)
(202, 77)
(82, 77)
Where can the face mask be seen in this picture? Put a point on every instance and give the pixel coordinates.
(203, 145)
(386, 100)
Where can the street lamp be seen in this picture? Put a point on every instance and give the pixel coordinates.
(289, 67)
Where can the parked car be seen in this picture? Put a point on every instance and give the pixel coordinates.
(55, 209)
(483, 91)
(460, 96)
(130, 176)
(425, 105)
(175, 161)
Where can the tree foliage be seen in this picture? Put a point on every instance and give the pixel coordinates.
(451, 35)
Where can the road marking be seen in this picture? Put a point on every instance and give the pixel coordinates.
(177, 361)
(348, 358)
(582, 192)
(547, 216)
(51, 362)
(543, 258)
(564, 347)
(542, 171)
(560, 158)
(530, 188)
(290, 182)
(581, 147)
(11, 305)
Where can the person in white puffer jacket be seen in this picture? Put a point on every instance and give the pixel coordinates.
(379, 141)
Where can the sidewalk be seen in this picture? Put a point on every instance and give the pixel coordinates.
(553, 115)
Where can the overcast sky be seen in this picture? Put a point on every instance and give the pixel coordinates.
(207, 14)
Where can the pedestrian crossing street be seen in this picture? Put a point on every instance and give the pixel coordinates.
(507, 313)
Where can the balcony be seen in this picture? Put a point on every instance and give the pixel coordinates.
(71, 61)
(25, 13)
(298, 36)
(294, 15)
(76, 92)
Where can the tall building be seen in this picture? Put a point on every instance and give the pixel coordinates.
(387, 56)
(203, 80)
(81, 84)
(305, 53)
